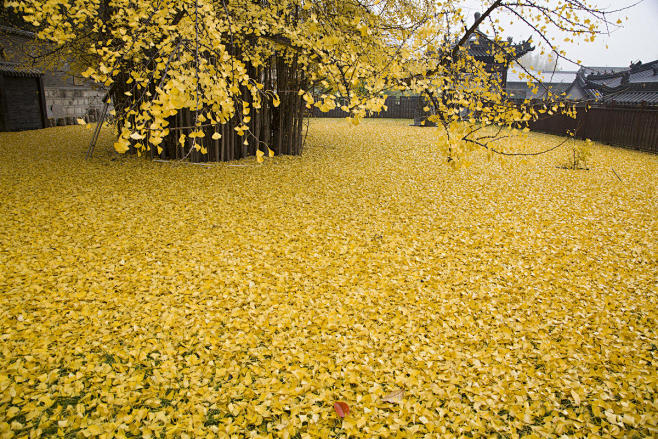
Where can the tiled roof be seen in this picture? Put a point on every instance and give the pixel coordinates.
(646, 75)
(15, 69)
(633, 97)
(634, 85)
(16, 31)
(637, 84)
(479, 51)
(558, 89)
(636, 74)
(482, 47)
(548, 77)
(591, 70)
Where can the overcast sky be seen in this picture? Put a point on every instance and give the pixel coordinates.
(636, 40)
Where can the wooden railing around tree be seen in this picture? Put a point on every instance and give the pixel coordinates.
(402, 107)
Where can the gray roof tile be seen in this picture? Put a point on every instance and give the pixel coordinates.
(15, 69)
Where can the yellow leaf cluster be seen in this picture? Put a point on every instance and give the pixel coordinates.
(510, 298)
(160, 59)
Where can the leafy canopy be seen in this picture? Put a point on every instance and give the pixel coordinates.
(209, 55)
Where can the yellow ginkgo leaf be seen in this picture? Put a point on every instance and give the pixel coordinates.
(396, 396)
(270, 152)
(203, 301)
(121, 146)
(95, 430)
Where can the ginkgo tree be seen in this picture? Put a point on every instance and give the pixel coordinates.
(221, 79)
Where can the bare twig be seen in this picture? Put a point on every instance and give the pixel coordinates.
(616, 175)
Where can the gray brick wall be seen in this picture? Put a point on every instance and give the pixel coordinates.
(66, 98)
(73, 102)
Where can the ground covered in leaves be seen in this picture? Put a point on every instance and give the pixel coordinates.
(144, 299)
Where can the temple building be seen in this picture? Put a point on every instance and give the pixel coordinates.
(484, 49)
(633, 85)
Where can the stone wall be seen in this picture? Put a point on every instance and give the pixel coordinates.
(65, 104)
